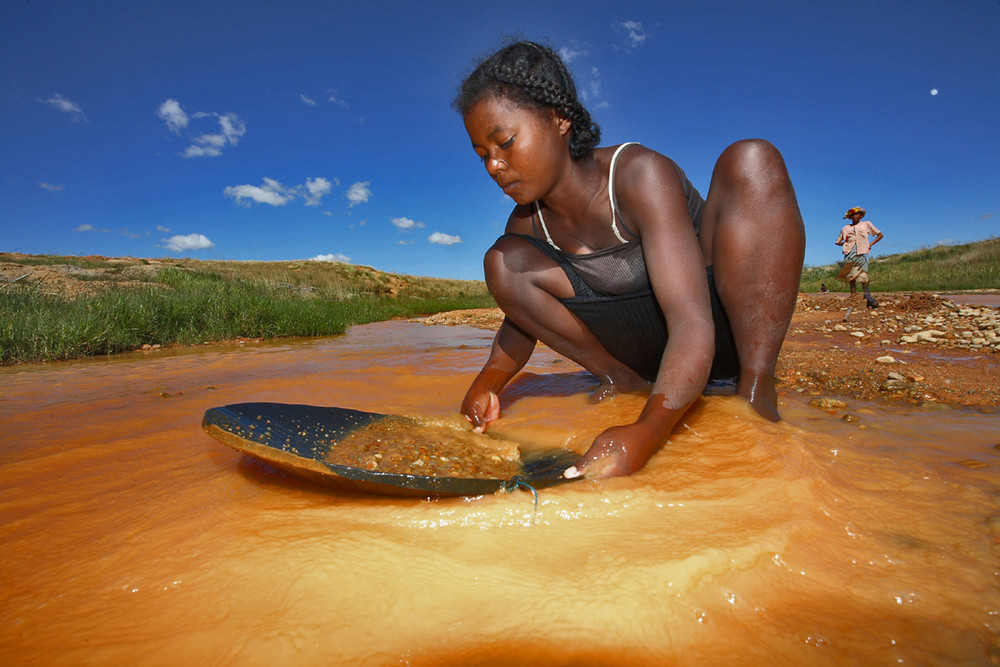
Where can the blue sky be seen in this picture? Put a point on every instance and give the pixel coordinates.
(297, 130)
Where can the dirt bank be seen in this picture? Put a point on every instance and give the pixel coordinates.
(916, 347)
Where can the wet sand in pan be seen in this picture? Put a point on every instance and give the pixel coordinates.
(128, 536)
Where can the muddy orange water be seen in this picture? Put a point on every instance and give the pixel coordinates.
(128, 536)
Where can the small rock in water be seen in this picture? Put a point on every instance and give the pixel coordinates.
(886, 360)
(827, 403)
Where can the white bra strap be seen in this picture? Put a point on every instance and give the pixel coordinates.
(611, 190)
(611, 197)
(541, 221)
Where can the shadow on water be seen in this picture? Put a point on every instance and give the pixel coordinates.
(552, 385)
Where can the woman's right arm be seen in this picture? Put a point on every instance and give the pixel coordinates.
(511, 350)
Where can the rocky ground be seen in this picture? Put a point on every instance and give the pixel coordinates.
(916, 347)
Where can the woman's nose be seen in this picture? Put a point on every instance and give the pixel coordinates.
(495, 164)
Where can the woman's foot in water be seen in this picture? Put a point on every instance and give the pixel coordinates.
(758, 389)
(610, 388)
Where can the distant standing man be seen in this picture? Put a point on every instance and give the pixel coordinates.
(854, 239)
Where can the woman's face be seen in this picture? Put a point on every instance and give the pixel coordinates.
(524, 150)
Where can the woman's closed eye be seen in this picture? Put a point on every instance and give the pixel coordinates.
(485, 157)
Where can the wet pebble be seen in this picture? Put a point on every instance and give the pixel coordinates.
(827, 403)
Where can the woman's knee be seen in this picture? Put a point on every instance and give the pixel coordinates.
(513, 265)
(505, 259)
(754, 164)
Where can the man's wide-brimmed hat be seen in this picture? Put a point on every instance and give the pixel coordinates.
(854, 209)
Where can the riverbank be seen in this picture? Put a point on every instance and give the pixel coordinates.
(917, 347)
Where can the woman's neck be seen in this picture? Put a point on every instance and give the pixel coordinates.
(584, 182)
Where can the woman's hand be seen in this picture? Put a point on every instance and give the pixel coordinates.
(620, 450)
(480, 407)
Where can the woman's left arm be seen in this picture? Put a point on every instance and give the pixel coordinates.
(651, 200)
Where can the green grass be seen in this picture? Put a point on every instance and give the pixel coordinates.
(180, 301)
(193, 302)
(968, 266)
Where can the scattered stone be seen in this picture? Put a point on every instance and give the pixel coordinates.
(827, 403)
(858, 334)
(886, 360)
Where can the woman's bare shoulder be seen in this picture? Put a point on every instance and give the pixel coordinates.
(519, 221)
(638, 161)
(645, 180)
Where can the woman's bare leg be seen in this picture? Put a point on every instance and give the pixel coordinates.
(752, 234)
(527, 286)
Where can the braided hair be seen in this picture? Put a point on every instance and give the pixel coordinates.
(530, 75)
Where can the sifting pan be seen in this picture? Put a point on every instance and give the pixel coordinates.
(298, 440)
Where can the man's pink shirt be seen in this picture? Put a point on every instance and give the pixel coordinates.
(858, 235)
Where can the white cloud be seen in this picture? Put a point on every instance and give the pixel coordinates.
(406, 223)
(567, 54)
(205, 144)
(308, 100)
(272, 192)
(317, 188)
(634, 34)
(174, 116)
(66, 106)
(359, 193)
(83, 228)
(161, 228)
(331, 257)
(332, 96)
(232, 127)
(201, 151)
(51, 187)
(595, 83)
(443, 239)
(180, 243)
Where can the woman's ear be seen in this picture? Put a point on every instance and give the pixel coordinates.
(563, 124)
